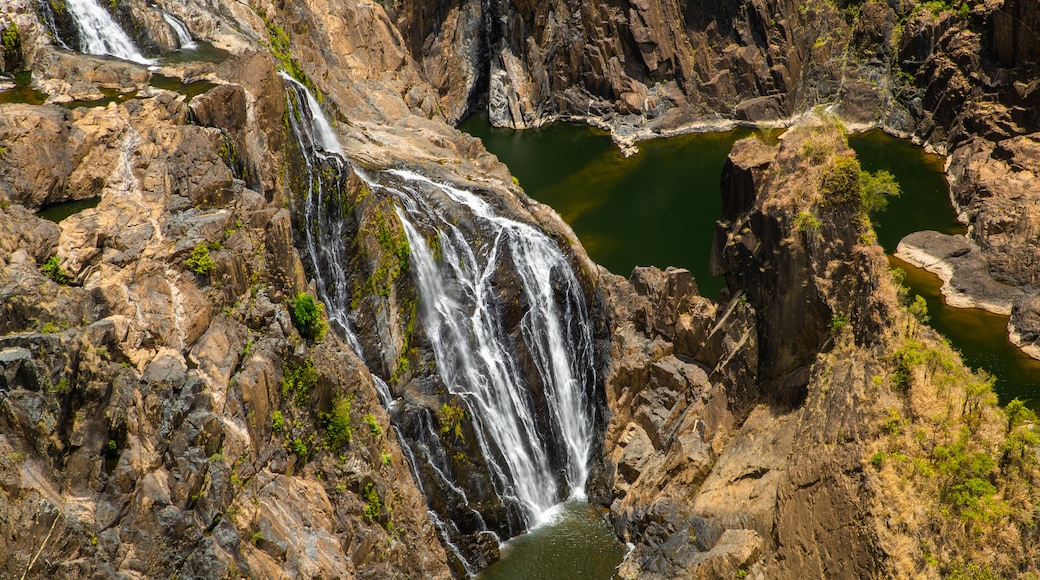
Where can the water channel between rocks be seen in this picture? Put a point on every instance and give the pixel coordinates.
(659, 208)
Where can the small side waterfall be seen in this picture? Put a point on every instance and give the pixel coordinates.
(509, 329)
(184, 38)
(99, 33)
(326, 242)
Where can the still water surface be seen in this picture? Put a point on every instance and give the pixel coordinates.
(572, 542)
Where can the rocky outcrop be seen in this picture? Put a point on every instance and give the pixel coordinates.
(783, 474)
(967, 282)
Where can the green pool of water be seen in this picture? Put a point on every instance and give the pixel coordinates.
(575, 543)
(60, 211)
(190, 90)
(656, 208)
(22, 92)
(204, 52)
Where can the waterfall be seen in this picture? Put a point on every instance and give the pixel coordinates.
(325, 239)
(526, 379)
(99, 33)
(479, 363)
(184, 38)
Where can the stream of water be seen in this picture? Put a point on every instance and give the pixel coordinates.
(99, 34)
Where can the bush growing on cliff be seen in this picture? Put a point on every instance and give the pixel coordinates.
(53, 270)
(373, 506)
(337, 422)
(200, 261)
(307, 316)
(11, 38)
(876, 188)
(298, 379)
(845, 183)
(840, 184)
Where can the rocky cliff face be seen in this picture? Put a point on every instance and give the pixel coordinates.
(643, 68)
(785, 445)
(162, 413)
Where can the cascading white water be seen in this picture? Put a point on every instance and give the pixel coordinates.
(474, 356)
(184, 39)
(524, 442)
(326, 243)
(99, 33)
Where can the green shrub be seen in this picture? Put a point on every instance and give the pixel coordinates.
(840, 184)
(806, 221)
(11, 38)
(452, 416)
(308, 317)
(373, 506)
(875, 189)
(299, 448)
(298, 379)
(337, 423)
(893, 422)
(53, 270)
(200, 261)
(838, 322)
(373, 426)
(277, 421)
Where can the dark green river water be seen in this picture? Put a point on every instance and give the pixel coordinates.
(656, 208)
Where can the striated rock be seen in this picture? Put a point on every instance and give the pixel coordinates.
(967, 282)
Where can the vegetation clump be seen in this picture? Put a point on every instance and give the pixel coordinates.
(840, 184)
(308, 317)
(452, 415)
(200, 261)
(53, 270)
(844, 183)
(373, 505)
(337, 423)
(11, 47)
(298, 378)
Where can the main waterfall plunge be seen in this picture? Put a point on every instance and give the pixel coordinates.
(506, 320)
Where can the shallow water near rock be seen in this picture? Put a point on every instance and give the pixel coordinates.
(573, 542)
(60, 211)
(22, 91)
